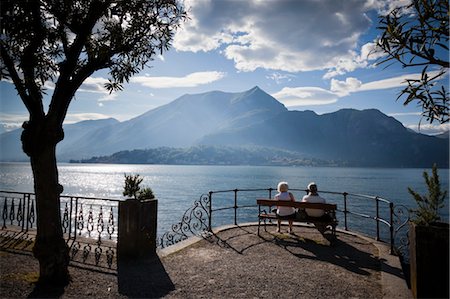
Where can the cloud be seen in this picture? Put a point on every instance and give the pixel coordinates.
(430, 129)
(77, 117)
(108, 97)
(343, 88)
(191, 80)
(94, 85)
(287, 35)
(280, 78)
(305, 96)
(10, 121)
(351, 85)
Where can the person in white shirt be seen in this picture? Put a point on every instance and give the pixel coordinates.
(284, 212)
(313, 196)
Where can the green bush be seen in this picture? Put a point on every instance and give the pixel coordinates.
(133, 189)
(429, 204)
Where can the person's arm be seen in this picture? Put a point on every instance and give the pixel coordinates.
(291, 196)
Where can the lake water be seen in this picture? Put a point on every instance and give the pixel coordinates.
(178, 186)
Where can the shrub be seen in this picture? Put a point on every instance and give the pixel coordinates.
(429, 204)
(133, 189)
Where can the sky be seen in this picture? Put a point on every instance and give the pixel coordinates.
(308, 54)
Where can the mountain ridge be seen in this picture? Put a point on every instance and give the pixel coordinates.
(250, 118)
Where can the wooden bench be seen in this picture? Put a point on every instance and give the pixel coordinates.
(328, 221)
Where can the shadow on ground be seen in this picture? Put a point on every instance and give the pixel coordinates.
(342, 252)
(143, 278)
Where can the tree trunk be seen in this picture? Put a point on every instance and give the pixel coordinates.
(50, 247)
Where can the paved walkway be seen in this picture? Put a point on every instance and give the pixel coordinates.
(232, 263)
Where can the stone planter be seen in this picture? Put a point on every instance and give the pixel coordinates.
(137, 228)
(429, 260)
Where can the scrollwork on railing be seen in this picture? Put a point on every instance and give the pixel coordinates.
(89, 225)
(402, 215)
(194, 222)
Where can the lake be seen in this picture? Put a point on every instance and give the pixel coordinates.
(178, 186)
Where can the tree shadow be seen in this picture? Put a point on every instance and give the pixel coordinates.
(339, 253)
(144, 277)
(238, 246)
(47, 290)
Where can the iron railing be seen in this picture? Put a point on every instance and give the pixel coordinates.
(89, 225)
(199, 218)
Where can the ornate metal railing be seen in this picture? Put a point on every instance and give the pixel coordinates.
(195, 221)
(389, 220)
(89, 226)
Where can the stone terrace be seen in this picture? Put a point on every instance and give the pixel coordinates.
(232, 263)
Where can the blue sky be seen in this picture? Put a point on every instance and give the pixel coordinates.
(308, 54)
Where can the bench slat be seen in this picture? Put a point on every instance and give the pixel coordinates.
(297, 204)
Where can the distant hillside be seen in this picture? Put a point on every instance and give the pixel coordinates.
(250, 119)
(211, 155)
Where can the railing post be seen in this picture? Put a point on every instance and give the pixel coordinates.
(345, 211)
(391, 227)
(270, 192)
(235, 206)
(76, 219)
(70, 217)
(25, 216)
(210, 211)
(378, 217)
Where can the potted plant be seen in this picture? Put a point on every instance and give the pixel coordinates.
(133, 190)
(429, 242)
(137, 220)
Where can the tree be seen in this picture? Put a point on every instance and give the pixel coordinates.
(417, 35)
(429, 204)
(62, 43)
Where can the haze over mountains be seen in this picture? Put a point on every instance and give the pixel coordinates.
(253, 120)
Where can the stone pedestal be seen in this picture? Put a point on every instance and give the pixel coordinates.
(137, 228)
(429, 260)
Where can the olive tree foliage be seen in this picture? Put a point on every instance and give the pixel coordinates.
(417, 35)
(51, 47)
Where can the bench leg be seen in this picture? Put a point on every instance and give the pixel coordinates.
(259, 223)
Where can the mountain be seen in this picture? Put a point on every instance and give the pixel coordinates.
(72, 145)
(180, 123)
(360, 138)
(251, 119)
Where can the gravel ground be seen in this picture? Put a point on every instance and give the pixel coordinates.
(235, 263)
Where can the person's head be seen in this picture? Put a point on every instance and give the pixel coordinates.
(312, 187)
(282, 187)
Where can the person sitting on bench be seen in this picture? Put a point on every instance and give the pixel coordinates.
(284, 212)
(313, 197)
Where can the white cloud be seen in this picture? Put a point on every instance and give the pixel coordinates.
(77, 117)
(191, 80)
(343, 88)
(95, 85)
(108, 97)
(280, 78)
(397, 114)
(305, 96)
(350, 85)
(9, 121)
(430, 129)
(288, 35)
